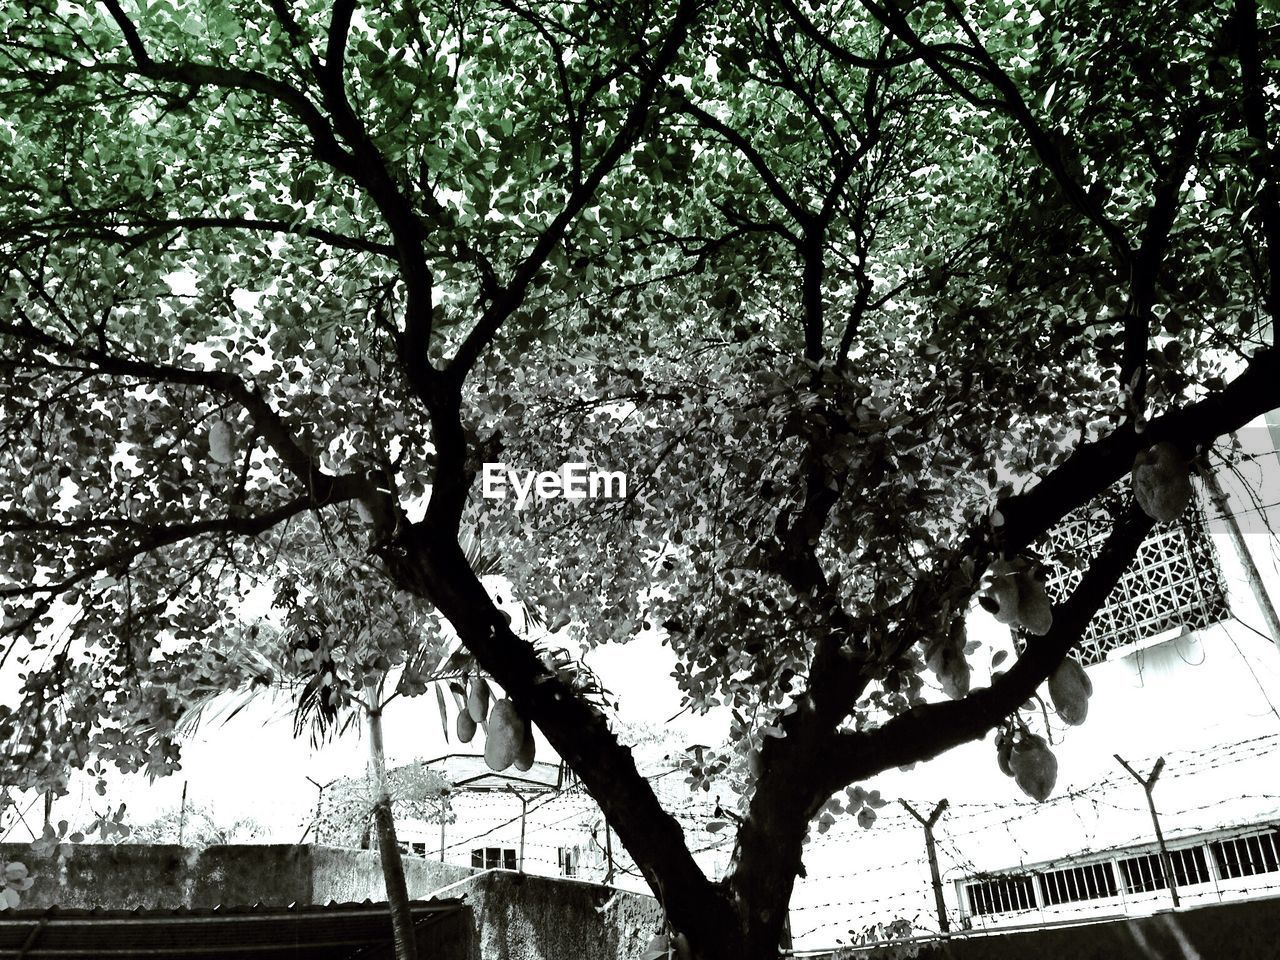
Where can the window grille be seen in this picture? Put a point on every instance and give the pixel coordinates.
(1092, 881)
(1145, 872)
(1247, 856)
(494, 858)
(1174, 581)
(1001, 895)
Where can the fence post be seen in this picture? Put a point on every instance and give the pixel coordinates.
(524, 813)
(441, 799)
(1251, 574)
(1149, 785)
(931, 848)
(608, 852)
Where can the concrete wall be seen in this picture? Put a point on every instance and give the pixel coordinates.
(516, 917)
(1248, 930)
(126, 876)
(513, 917)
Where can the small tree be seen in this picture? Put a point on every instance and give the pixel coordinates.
(196, 825)
(337, 641)
(346, 806)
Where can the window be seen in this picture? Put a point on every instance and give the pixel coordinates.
(494, 858)
(1246, 856)
(1001, 895)
(1145, 872)
(569, 859)
(1093, 881)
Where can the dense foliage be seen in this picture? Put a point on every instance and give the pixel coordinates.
(862, 297)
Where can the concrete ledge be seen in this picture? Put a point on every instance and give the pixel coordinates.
(512, 916)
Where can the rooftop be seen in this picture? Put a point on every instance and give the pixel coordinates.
(334, 931)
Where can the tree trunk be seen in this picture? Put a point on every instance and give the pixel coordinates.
(767, 854)
(393, 878)
(388, 847)
(430, 562)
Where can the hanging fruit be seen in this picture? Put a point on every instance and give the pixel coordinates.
(506, 734)
(1070, 689)
(1004, 753)
(478, 699)
(466, 727)
(1015, 595)
(1161, 481)
(220, 445)
(1035, 768)
(1000, 598)
(524, 756)
(951, 668)
(1035, 613)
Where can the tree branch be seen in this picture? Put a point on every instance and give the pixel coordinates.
(578, 732)
(1095, 466)
(837, 52)
(148, 228)
(406, 228)
(1015, 106)
(1154, 243)
(1026, 517)
(324, 144)
(319, 485)
(925, 731)
(153, 537)
(334, 239)
(512, 295)
(1262, 159)
(739, 142)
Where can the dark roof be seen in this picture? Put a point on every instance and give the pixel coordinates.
(336, 931)
(467, 771)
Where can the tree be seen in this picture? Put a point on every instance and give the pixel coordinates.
(340, 638)
(197, 825)
(346, 804)
(343, 644)
(866, 299)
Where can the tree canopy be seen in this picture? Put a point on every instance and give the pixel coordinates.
(863, 297)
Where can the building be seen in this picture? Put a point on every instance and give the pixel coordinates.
(541, 821)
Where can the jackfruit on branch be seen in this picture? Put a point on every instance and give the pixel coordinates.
(506, 735)
(1015, 595)
(1070, 689)
(1161, 482)
(1035, 768)
(221, 447)
(478, 699)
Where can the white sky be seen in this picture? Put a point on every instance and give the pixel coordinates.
(253, 767)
